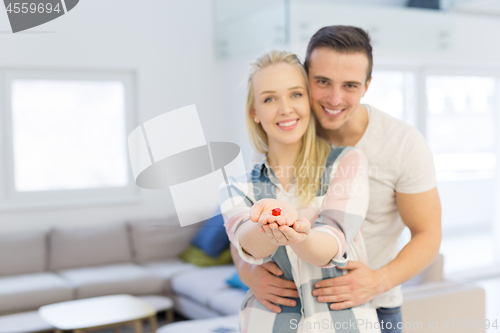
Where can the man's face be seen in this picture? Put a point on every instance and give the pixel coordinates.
(337, 82)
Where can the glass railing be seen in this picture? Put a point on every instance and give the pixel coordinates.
(253, 26)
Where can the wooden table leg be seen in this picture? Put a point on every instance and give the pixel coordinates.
(77, 331)
(153, 323)
(170, 316)
(117, 329)
(138, 326)
(56, 330)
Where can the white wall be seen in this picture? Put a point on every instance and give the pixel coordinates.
(473, 46)
(168, 44)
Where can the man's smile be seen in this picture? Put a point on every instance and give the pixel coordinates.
(332, 112)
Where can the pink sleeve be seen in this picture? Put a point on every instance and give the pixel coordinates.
(346, 201)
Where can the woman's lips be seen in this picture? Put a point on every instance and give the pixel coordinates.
(288, 125)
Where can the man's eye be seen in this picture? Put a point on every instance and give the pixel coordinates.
(351, 86)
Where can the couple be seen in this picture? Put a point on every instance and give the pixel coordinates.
(331, 171)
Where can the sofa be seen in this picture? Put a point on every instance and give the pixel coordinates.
(141, 257)
(62, 264)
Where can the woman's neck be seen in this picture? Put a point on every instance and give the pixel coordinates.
(281, 159)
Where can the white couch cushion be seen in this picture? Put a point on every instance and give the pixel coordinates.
(159, 238)
(30, 291)
(112, 279)
(202, 284)
(191, 309)
(24, 322)
(167, 269)
(89, 246)
(227, 301)
(23, 253)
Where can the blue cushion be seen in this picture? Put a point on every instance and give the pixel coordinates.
(212, 237)
(235, 281)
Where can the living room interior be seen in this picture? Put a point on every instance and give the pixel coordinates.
(74, 225)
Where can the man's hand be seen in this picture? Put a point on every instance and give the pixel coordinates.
(269, 289)
(421, 213)
(360, 285)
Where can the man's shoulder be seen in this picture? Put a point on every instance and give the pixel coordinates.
(383, 124)
(379, 117)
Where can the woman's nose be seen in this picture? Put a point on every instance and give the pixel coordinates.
(285, 106)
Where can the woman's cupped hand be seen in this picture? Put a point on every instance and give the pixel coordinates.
(285, 229)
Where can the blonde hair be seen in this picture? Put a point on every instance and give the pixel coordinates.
(312, 155)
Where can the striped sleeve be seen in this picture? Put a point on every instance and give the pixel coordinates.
(346, 201)
(236, 201)
(235, 204)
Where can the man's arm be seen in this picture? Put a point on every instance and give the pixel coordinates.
(265, 284)
(421, 213)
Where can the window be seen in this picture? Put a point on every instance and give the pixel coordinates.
(68, 138)
(457, 113)
(392, 92)
(460, 128)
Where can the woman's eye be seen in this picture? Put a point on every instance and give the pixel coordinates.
(297, 95)
(269, 99)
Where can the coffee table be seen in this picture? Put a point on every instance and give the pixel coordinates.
(98, 312)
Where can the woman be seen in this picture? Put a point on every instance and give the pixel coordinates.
(322, 194)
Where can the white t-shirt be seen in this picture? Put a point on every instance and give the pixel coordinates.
(399, 160)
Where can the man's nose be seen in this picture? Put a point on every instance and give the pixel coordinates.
(335, 96)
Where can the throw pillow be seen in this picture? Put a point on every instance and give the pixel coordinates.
(235, 281)
(198, 257)
(212, 237)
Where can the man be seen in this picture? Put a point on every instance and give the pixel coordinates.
(402, 185)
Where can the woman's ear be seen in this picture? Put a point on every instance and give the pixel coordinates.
(254, 115)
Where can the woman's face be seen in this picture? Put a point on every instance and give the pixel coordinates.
(281, 103)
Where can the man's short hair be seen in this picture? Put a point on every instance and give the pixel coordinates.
(342, 39)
